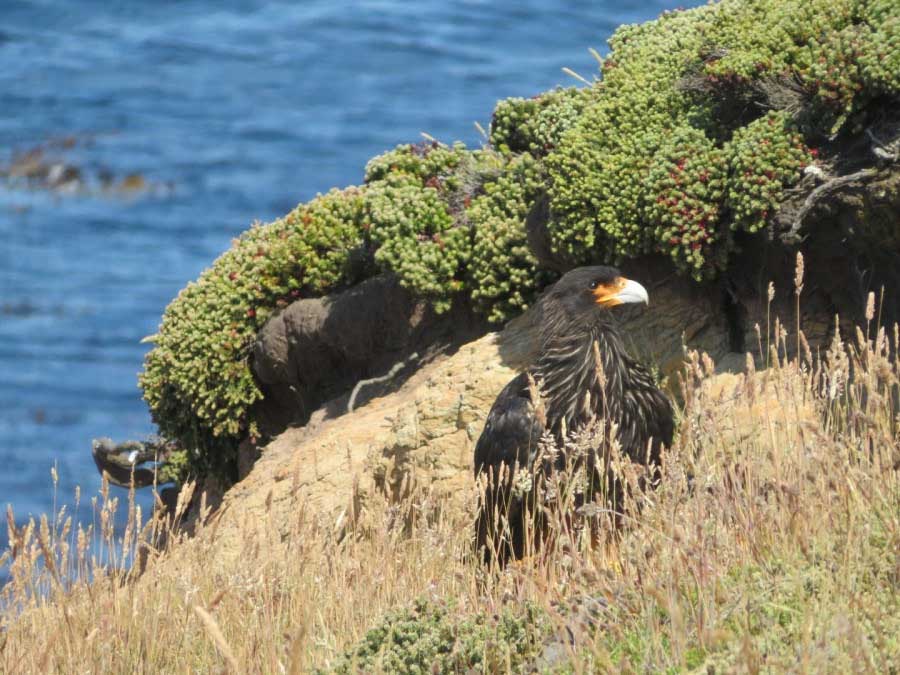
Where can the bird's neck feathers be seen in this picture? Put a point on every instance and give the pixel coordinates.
(581, 371)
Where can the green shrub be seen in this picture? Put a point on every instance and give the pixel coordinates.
(600, 169)
(763, 38)
(417, 239)
(764, 157)
(535, 125)
(686, 183)
(196, 380)
(825, 45)
(504, 272)
(665, 81)
(880, 61)
(834, 74)
(429, 638)
(417, 200)
(423, 161)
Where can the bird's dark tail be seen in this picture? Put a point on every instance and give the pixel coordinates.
(509, 524)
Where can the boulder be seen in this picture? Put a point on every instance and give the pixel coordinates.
(318, 349)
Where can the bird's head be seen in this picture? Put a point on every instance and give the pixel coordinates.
(587, 293)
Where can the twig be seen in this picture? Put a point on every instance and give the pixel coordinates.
(881, 149)
(823, 190)
(396, 368)
(572, 73)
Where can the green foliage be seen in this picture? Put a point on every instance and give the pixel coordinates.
(879, 63)
(764, 157)
(821, 44)
(196, 380)
(176, 467)
(536, 124)
(417, 239)
(834, 76)
(423, 161)
(686, 182)
(504, 271)
(428, 638)
(600, 169)
(418, 196)
(771, 37)
(782, 591)
(665, 82)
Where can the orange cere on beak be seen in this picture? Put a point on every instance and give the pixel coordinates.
(619, 292)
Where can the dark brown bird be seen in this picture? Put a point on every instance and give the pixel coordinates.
(576, 327)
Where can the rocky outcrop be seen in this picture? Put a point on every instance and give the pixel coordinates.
(844, 221)
(311, 355)
(420, 430)
(425, 429)
(422, 434)
(318, 349)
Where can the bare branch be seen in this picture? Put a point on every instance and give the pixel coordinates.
(396, 368)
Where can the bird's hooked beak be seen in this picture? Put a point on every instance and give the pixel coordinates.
(621, 291)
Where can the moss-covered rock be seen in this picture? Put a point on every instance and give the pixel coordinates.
(196, 380)
(686, 146)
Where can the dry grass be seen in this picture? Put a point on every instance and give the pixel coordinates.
(771, 544)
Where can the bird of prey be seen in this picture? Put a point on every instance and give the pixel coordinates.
(582, 375)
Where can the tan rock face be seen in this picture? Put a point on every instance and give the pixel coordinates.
(427, 427)
(424, 432)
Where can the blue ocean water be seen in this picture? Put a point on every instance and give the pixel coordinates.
(236, 111)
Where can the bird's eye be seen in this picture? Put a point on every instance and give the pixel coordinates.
(594, 284)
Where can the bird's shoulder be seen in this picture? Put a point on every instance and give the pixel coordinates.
(511, 430)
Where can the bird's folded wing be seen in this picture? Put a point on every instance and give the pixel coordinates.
(511, 431)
